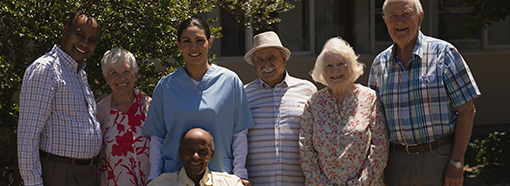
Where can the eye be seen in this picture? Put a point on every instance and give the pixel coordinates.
(79, 35)
(93, 41)
(203, 152)
(185, 41)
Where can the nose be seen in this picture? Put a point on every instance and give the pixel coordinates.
(195, 156)
(400, 19)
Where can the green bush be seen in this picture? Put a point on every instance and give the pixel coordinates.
(494, 150)
(493, 153)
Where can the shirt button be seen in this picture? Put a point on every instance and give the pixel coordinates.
(276, 125)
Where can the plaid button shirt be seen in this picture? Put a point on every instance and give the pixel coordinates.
(420, 99)
(57, 114)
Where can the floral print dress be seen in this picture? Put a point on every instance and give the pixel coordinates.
(125, 152)
(346, 146)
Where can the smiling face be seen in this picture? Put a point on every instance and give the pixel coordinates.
(195, 45)
(80, 40)
(121, 78)
(402, 22)
(336, 70)
(196, 151)
(269, 64)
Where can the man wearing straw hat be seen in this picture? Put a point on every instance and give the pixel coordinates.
(276, 100)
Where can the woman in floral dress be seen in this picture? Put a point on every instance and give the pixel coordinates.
(343, 138)
(124, 158)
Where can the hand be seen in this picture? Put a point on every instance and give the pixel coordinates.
(453, 176)
(245, 182)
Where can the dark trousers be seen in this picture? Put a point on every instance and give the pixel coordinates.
(425, 169)
(61, 174)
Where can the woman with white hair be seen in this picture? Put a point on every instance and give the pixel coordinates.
(343, 138)
(124, 157)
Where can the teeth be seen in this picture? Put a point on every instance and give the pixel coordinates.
(268, 69)
(337, 77)
(195, 164)
(194, 55)
(79, 50)
(121, 85)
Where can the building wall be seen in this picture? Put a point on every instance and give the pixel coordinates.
(488, 69)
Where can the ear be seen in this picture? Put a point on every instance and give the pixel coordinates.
(285, 59)
(211, 39)
(420, 18)
(106, 80)
(64, 32)
(212, 153)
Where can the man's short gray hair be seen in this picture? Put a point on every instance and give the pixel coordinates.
(417, 7)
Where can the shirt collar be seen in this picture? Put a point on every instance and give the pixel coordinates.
(66, 59)
(285, 82)
(417, 50)
(185, 180)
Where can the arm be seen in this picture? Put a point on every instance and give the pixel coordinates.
(35, 98)
(379, 149)
(243, 121)
(463, 129)
(462, 90)
(309, 157)
(155, 159)
(240, 148)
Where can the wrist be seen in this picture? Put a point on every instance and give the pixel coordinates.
(456, 164)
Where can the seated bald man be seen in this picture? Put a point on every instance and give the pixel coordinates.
(196, 150)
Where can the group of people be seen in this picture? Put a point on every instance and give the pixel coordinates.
(202, 126)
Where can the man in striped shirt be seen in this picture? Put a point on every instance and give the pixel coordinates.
(58, 133)
(427, 92)
(276, 100)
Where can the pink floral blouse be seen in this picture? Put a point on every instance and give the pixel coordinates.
(125, 152)
(346, 146)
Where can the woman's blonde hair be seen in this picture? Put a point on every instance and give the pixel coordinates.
(339, 47)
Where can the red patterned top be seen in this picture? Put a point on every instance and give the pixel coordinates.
(125, 152)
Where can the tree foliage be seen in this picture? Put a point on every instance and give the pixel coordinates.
(257, 14)
(148, 29)
(485, 12)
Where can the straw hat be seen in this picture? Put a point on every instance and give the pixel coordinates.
(264, 40)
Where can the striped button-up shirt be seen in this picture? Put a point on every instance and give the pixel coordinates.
(57, 114)
(420, 99)
(273, 144)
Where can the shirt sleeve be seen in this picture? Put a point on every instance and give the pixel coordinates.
(155, 124)
(372, 81)
(156, 160)
(36, 95)
(240, 148)
(243, 117)
(309, 157)
(458, 79)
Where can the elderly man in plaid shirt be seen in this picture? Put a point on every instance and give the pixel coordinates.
(427, 91)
